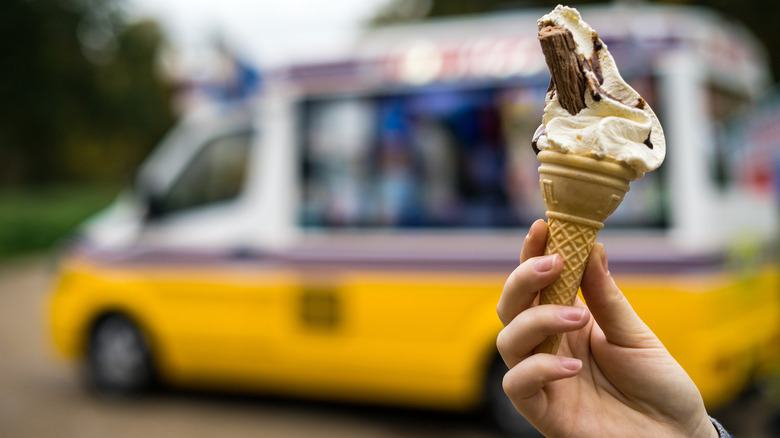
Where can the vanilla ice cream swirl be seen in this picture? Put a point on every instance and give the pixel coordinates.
(616, 124)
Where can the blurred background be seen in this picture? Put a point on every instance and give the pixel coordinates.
(92, 86)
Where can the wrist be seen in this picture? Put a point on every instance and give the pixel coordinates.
(705, 427)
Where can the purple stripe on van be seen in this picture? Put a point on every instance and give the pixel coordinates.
(362, 259)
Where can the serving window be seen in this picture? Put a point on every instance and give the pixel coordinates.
(443, 157)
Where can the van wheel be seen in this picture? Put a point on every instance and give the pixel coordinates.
(118, 358)
(500, 410)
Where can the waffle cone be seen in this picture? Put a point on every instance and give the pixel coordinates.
(580, 193)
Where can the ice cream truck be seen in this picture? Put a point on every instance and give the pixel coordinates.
(346, 234)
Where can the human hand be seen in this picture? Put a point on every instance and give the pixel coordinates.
(613, 377)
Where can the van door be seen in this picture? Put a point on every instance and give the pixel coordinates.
(215, 299)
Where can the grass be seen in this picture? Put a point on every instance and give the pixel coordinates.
(34, 219)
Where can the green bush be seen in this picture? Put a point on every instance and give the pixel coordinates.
(34, 219)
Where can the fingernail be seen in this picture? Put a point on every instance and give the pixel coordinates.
(572, 313)
(570, 363)
(604, 261)
(530, 231)
(545, 263)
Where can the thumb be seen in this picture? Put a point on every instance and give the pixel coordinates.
(610, 308)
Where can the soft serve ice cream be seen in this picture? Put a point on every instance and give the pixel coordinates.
(597, 136)
(616, 123)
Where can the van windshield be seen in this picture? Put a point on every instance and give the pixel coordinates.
(445, 157)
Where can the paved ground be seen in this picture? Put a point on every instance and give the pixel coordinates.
(41, 396)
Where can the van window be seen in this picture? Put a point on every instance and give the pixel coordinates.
(727, 110)
(441, 157)
(433, 159)
(215, 174)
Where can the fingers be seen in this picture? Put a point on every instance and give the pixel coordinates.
(613, 313)
(518, 339)
(535, 240)
(527, 326)
(524, 382)
(525, 282)
(527, 279)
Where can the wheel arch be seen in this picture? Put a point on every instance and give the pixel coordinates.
(104, 313)
(94, 374)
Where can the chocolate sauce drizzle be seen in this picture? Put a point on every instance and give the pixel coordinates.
(647, 141)
(595, 63)
(594, 82)
(541, 132)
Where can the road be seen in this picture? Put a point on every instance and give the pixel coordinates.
(43, 396)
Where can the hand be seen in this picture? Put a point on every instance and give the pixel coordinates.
(613, 377)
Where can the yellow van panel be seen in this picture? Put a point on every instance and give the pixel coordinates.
(721, 327)
(419, 338)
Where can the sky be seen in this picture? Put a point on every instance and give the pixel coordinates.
(266, 32)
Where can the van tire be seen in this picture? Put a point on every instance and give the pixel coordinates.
(119, 361)
(499, 409)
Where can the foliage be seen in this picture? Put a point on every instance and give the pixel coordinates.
(82, 101)
(33, 219)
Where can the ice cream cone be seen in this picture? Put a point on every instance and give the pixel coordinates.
(580, 193)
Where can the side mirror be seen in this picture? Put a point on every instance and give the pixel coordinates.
(152, 202)
(154, 205)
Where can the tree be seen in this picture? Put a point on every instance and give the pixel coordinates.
(81, 100)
